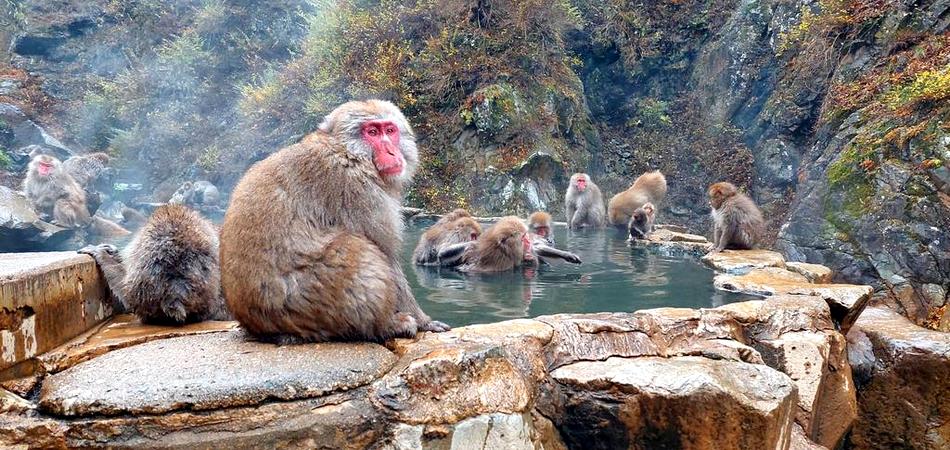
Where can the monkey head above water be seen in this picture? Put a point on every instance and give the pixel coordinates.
(641, 222)
(311, 240)
(505, 246)
(539, 223)
(584, 203)
(737, 222)
(454, 229)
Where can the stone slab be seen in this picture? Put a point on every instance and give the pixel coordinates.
(741, 261)
(46, 299)
(209, 371)
(815, 273)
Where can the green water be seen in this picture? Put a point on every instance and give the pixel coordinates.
(613, 278)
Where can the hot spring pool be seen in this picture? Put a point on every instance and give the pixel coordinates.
(613, 278)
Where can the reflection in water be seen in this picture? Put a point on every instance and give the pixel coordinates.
(613, 277)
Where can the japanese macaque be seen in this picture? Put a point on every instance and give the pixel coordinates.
(91, 171)
(196, 194)
(132, 218)
(505, 246)
(641, 222)
(455, 228)
(169, 273)
(584, 203)
(54, 193)
(649, 187)
(737, 222)
(106, 228)
(539, 223)
(310, 243)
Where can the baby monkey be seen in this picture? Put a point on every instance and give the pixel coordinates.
(641, 222)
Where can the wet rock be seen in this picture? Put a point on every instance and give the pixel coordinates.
(668, 242)
(122, 331)
(742, 261)
(493, 431)
(847, 301)
(21, 228)
(765, 320)
(903, 376)
(25, 132)
(46, 299)
(815, 273)
(645, 403)
(208, 372)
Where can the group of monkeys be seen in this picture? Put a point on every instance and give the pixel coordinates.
(309, 247)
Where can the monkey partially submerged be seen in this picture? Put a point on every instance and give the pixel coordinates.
(539, 223)
(641, 222)
(737, 222)
(310, 243)
(457, 227)
(54, 193)
(505, 246)
(647, 188)
(584, 203)
(169, 272)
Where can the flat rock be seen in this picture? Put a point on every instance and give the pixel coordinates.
(903, 376)
(742, 261)
(847, 301)
(668, 403)
(209, 371)
(815, 273)
(667, 242)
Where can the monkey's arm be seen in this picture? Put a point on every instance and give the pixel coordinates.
(451, 255)
(110, 263)
(550, 252)
(570, 215)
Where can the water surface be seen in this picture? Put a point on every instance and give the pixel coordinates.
(613, 278)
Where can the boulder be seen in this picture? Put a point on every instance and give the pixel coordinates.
(683, 402)
(815, 273)
(902, 372)
(667, 242)
(742, 261)
(21, 228)
(25, 133)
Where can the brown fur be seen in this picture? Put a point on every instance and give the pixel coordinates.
(56, 194)
(584, 208)
(649, 187)
(459, 228)
(106, 228)
(87, 169)
(641, 222)
(541, 225)
(310, 243)
(132, 218)
(737, 221)
(169, 273)
(498, 249)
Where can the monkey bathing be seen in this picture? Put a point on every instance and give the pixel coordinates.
(649, 187)
(641, 222)
(584, 203)
(539, 223)
(737, 222)
(169, 272)
(505, 246)
(457, 227)
(54, 193)
(310, 243)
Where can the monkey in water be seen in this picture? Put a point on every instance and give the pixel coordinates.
(54, 193)
(641, 222)
(737, 222)
(649, 187)
(584, 203)
(457, 227)
(169, 273)
(539, 223)
(505, 246)
(310, 243)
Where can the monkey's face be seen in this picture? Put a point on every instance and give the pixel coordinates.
(44, 165)
(719, 192)
(383, 137)
(581, 183)
(467, 229)
(526, 247)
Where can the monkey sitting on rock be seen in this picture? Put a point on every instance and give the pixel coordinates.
(54, 193)
(169, 273)
(737, 221)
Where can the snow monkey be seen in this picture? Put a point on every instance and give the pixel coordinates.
(641, 222)
(584, 202)
(91, 171)
(311, 240)
(649, 187)
(54, 193)
(539, 223)
(505, 246)
(169, 272)
(457, 227)
(737, 222)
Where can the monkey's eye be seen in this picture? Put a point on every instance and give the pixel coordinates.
(390, 130)
(372, 132)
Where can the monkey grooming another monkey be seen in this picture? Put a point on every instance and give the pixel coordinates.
(584, 203)
(641, 222)
(457, 227)
(310, 243)
(505, 246)
(54, 193)
(169, 273)
(539, 223)
(649, 187)
(737, 222)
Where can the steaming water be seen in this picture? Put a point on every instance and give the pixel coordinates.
(613, 278)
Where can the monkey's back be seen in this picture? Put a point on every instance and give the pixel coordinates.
(741, 212)
(295, 253)
(649, 187)
(172, 272)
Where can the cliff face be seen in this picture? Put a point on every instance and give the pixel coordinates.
(832, 113)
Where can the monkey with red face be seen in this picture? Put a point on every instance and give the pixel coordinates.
(311, 240)
(54, 193)
(584, 203)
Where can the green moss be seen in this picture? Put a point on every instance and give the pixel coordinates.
(926, 87)
(849, 176)
(5, 160)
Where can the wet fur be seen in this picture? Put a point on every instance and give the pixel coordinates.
(584, 208)
(453, 228)
(57, 194)
(737, 222)
(499, 249)
(310, 243)
(641, 222)
(648, 188)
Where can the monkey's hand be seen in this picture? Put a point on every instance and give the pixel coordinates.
(573, 259)
(96, 251)
(435, 326)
